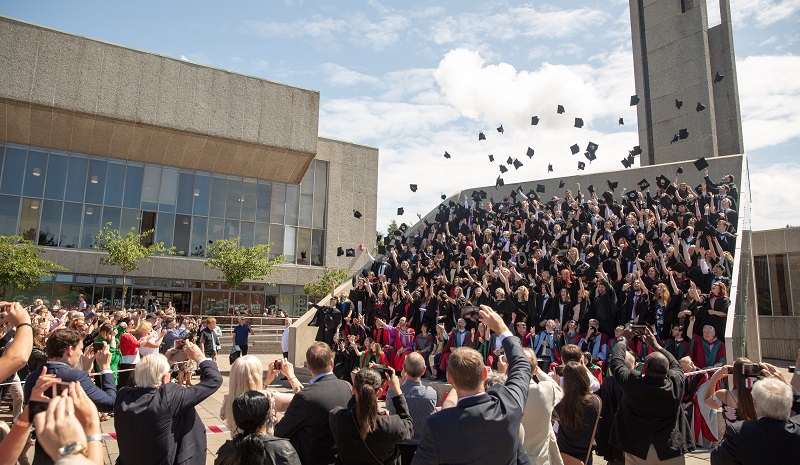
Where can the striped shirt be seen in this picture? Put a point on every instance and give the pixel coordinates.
(421, 402)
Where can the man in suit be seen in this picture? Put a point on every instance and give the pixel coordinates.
(421, 401)
(65, 355)
(306, 421)
(156, 421)
(493, 416)
(543, 395)
(650, 424)
(773, 438)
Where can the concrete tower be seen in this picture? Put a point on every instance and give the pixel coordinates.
(677, 57)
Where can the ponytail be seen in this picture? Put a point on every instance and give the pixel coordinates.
(366, 384)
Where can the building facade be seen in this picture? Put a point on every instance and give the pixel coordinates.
(93, 133)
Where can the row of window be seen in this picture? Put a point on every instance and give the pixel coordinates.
(778, 284)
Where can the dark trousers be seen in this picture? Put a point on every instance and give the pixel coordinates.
(125, 379)
(406, 452)
(243, 347)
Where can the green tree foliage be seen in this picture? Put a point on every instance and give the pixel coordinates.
(331, 277)
(238, 263)
(126, 252)
(22, 268)
(392, 228)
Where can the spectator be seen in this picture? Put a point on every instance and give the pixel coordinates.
(305, 422)
(108, 335)
(543, 395)
(172, 334)
(420, 399)
(736, 403)
(361, 434)
(162, 415)
(287, 323)
(254, 444)
(129, 355)
(241, 333)
(492, 416)
(149, 340)
(208, 340)
(650, 425)
(611, 398)
(578, 413)
(573, 353)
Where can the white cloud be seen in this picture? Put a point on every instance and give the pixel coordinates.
(763, 12)
(769, 183)
(338, 75)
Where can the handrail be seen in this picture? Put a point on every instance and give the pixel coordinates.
(742, 231)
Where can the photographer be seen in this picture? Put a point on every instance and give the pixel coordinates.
(736, 403)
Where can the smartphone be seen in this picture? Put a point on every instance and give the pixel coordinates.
(639, 330)
(98, 346)
(560, 370)
(278, 364)
(752, 369)
(384, 372)
(35, 407)
(58, 388)
(180, 344)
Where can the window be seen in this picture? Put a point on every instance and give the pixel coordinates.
(169, 190)
(56, 176)
(147, 223)
(216, 227)
(97, 182)
(263, 203)
(150, 187)
(35, 172)
(29, 218)
(246, 232)
(218, 187)
(262, 234)
(183, 226)
(233, 197)
(307, 198)
(231, 229)
(130, 219)
(9, 212)
(292, 204)
(185, 193)
(779, 283)
(92, 215)
(115, 180)
(198, 244)
(276, 237)
(278, 206)
(794, 275)
(71, 225)
(13, 171)
(76, 178)
(112, 215)
(165, 228)
(133, 186)
(303, 246)
(317, 247)
(290, 244)
(320, 193)
(202, 191)
(50, 224)
(249, 196)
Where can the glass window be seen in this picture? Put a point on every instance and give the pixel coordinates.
(34, 174)
(303, 246)
(185, 193)
(292, 204)
(130, 220)
(168, 196)
(150, 187)
(320, 193)
(262, 234)
(249, 194)
(29, 218)
(290, 244)
(247, 231)
(147, 223)
(76, 178)
(9, 212)
(779, 283)
(276, 237)
(199, 225)
(183, 227)
(231, 229)
(794, 274)
(133, 186)
(264, 199)
(112, 215)
(56, 176)
(318, 247)
(202, 190)
(97, 181)
(216, 227)
(84, 279)
(307, 198)
(165, 228)
(234, 198)
(51, 223)
(13, 171)
(71, 225)
(218, 184)
(115, 182)
(92, 216)
(278, 205)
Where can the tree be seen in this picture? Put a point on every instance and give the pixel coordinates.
(330, 278)
(392, 228)
(22, 268)
(126, 252)
(238, 263)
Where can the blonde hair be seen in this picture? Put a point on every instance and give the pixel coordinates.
(150, 369)
(144, 328)
(246, 375)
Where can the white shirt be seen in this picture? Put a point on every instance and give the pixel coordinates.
(285, 340)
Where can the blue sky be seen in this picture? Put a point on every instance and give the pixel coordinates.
(416, 78)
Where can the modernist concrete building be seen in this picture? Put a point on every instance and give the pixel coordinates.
(685, 75)
(92, 133)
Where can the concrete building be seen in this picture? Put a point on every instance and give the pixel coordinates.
(679, 61)
(92, 133)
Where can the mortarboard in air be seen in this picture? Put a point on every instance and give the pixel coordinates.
(378, 237)
(560, 109)
(503, 168)
(534, 120)
(575, 149)
(590, 156)
(678, 104)
(608, 197)
(700, 107)
(499, 182)
(500, 129)
(675, 138)
(701, 164)
(578, 123)
(350, 252)
(514, 195)
(631, 160)
(626, 163)
(679, 267)
(413, 187)
(481, 136)
(634, 99)
(446, 155)
(400, 211)
(509, 161)
(637, 150)
(631, 195)
(592, 147)
(357, 213)
(483, 193)
(339, 251)
(590, 188)
(662, 182)
(671, 189)
(680, 170)
(683, 134)
(549, 168)
(451, 204)
(581, 165)
(517, 164)
(540, 188)
(529, 153)
(444, 196)
(491, 157)
(621, 121)
(718, 77)
(612, 184)
(382, 249)
(561, 184)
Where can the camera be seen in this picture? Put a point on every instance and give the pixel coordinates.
(752, 369)
(639, 330)
(560, 370)
(98, 346)
(180, 344)
(278, 365)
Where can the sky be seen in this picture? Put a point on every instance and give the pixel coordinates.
(418, 78)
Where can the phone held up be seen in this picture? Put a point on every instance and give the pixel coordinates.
(39, 406)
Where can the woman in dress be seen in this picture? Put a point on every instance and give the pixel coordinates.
(403, 343)
(372, 356)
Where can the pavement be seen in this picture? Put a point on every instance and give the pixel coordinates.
(210, 408)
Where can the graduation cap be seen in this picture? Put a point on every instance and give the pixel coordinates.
(529, 153)
(662, 182)
(378, 237)
(680, 170)
(612, 184)
(581, 165)
(499, 182)
(503, 168)
(701, 164)
(626, 163)
(475, 196)
(549, 168)
(629, 253)
(446, 155)
(592, 147)
(678, 104)
(590, 188)
(481, 136)
(687, 232)
(637, 150)
(350, 253)
(700, 107)
(400, 211)
(339, 251)
(631, 195)
(509, 161)
(560, 109)
(561, 184)
(634, 99)
(413, 187)
(534, 120)
(575, 149)
(482, 193)
(517, 164)
(615, 252)
(491, 157)
(443, 196)
(679, 267)
(578, 123)
(643, 184)
(500, 129)
(590, 156)
(631, 159)
(683, 134)
(621, 121)
(382, 249)
(540, 188)
(675, 138)
(651, 235)
(718, 77)
(357, 213)
(671, 189)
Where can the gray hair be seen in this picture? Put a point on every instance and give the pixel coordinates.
(493, 378)
(150, 370)
(772, 399)
(710, 327)
(414, 365)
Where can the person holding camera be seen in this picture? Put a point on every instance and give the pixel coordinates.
(736, 403)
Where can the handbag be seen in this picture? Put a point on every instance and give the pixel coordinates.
(570, 460)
